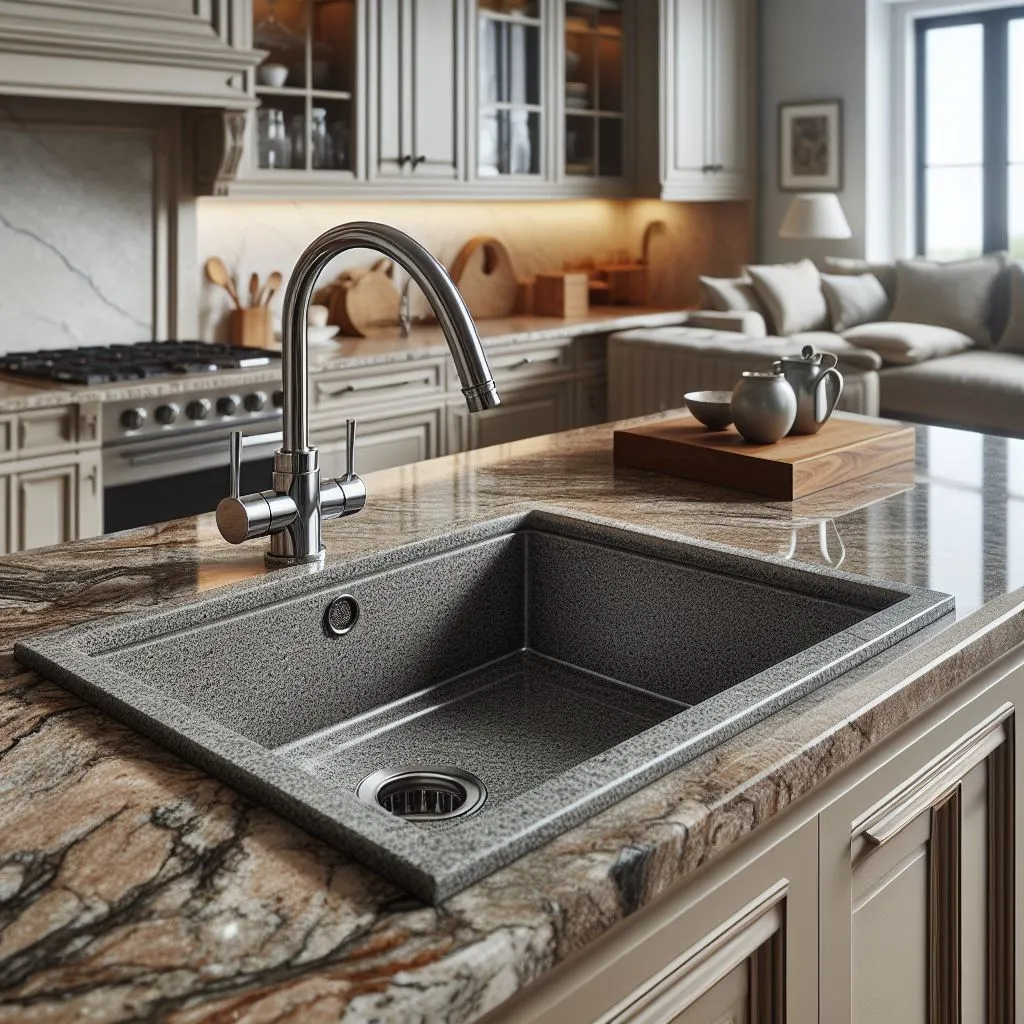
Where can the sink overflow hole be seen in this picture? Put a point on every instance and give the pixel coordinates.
(341, 615)
(418, 793)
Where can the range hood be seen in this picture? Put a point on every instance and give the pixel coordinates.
(176, 52)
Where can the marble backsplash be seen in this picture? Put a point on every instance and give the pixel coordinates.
(699, 238)
(76, 234)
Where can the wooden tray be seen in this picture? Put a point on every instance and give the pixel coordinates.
(847, 447)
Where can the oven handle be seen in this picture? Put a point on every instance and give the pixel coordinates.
(148, 458)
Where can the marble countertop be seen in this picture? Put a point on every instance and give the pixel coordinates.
(133, 885)
(425, 341)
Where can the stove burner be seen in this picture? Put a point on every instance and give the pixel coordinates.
(102, 364)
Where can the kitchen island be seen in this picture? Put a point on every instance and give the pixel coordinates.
(132, 885)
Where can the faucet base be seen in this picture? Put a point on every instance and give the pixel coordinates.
(283, 561)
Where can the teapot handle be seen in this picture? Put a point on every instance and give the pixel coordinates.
(822, 406)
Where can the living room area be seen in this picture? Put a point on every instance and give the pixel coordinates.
(889, 221)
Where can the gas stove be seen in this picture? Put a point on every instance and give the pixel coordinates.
(104, 364)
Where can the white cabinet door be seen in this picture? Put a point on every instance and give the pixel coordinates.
(436, 67)
(916, 879)
(46, 506)
(707, 99)
(416, 67)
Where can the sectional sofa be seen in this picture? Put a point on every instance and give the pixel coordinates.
(917, 340)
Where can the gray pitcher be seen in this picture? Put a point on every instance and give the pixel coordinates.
(817, 385)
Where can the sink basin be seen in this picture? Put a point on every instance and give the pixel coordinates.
(439, 709)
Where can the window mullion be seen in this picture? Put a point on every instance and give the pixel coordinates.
(996, 133)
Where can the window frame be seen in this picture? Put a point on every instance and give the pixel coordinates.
(995, 128)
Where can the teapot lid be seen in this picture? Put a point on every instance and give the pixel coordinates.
(808, 355)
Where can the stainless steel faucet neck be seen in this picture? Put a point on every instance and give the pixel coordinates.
(429, 276)
(291, 513)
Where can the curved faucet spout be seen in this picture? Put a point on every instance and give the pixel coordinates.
(444, 298)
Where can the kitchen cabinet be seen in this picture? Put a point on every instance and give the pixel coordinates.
(524, 412)
(923, 886)
(594, 90)
(383, 441)
(703, 87)
(509, 85)
(416, 58)
(739, 946)
(49, 501)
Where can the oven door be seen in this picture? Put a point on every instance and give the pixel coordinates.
(154, 480)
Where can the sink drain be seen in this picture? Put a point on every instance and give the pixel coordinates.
(423, 793)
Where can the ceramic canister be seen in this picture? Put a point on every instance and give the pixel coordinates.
(763, 407)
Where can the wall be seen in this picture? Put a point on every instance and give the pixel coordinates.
(699, 238)
(813, 50)
(89, 224)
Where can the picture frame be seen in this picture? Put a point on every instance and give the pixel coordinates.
(811, 146)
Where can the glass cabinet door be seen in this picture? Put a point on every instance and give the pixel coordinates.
(306, 84)
(510, 71)
(593, 88)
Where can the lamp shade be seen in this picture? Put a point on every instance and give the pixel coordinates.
(815, 215)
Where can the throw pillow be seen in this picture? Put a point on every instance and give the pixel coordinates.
(791, 293)
(853, 300)
(885, 272)
(900, 344)
(731, 294)
(961, 296)
(1013, 337)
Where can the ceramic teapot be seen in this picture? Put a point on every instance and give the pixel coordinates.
(817, 385)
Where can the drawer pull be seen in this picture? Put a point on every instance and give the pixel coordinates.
(348, 389)
(934, 785)
(530, 361)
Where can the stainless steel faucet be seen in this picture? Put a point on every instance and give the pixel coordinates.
(291, 512)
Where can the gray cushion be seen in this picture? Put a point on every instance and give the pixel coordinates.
(791, 294)
(885, 272)
(854, 299)
(961, 296)
(1013, 337)
(901, 344)
(976, 389)
(731, 294)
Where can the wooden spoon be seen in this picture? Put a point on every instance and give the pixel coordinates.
(271, 285)
(254, 290)
(218, 274)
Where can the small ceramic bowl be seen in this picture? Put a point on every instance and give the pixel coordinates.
(712, 408)
(274, 75)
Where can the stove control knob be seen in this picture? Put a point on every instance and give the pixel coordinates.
(255, 402)
(132, 419)
(278, 399)
(167, 414)
(228, 405)
(198, 409)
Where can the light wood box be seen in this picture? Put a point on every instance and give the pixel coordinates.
(561, 294)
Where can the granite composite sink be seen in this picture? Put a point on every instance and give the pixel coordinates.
(562, 661)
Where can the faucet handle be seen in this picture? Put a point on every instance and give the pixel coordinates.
(240, 518)
(346, 495)
(350, 449)
(235, 464)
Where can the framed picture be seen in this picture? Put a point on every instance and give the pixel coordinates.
(811, 146)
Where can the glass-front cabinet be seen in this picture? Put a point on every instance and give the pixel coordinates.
(594, 57)
(306, 88)
(511, 104)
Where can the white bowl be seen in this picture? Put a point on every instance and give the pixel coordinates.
(321, 335)
(274, 75)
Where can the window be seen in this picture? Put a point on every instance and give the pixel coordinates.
(970, 134)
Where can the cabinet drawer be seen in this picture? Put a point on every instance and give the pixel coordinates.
(520, 363)
(375, 384)
(43, 430)
(382, 442)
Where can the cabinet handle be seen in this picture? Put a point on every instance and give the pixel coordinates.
(417, 160)
(403, 160)
(92, 477)
(932, 786)
(348, 389)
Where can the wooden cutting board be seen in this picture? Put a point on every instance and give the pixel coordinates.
(484, 275)
(845, 448)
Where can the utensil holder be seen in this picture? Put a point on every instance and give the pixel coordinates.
(253, 327)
